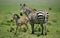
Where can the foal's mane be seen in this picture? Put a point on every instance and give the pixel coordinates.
(17, 15)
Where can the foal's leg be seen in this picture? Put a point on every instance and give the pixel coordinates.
(26, 26)
(16, 30)
(20, 28)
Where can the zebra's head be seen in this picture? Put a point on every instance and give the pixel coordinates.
(22, 9)
(25, 10)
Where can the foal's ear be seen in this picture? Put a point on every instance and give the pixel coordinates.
(20, 4)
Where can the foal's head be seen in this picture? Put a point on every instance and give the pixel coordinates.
(15, 16)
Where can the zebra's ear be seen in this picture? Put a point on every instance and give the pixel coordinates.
(24, 4)
(20, 4)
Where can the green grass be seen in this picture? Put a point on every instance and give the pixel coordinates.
(7, 9)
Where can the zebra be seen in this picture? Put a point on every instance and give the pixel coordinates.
(35, 17)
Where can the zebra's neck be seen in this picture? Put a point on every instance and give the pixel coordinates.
(28, 12)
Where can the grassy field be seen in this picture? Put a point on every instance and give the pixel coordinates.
(8, 7)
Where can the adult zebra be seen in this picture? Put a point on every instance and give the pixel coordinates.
(35, 17)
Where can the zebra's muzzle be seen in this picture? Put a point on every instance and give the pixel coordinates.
(21, 14)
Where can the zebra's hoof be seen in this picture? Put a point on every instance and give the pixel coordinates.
(32, 32)
(45, 33)
(42, 34)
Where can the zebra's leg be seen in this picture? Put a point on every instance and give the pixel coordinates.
(45, 30)
(32, 26)
(42, 29)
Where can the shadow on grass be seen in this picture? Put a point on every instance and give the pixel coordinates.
(49, 23)
(55, 20)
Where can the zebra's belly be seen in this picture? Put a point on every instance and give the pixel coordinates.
(38, 21)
